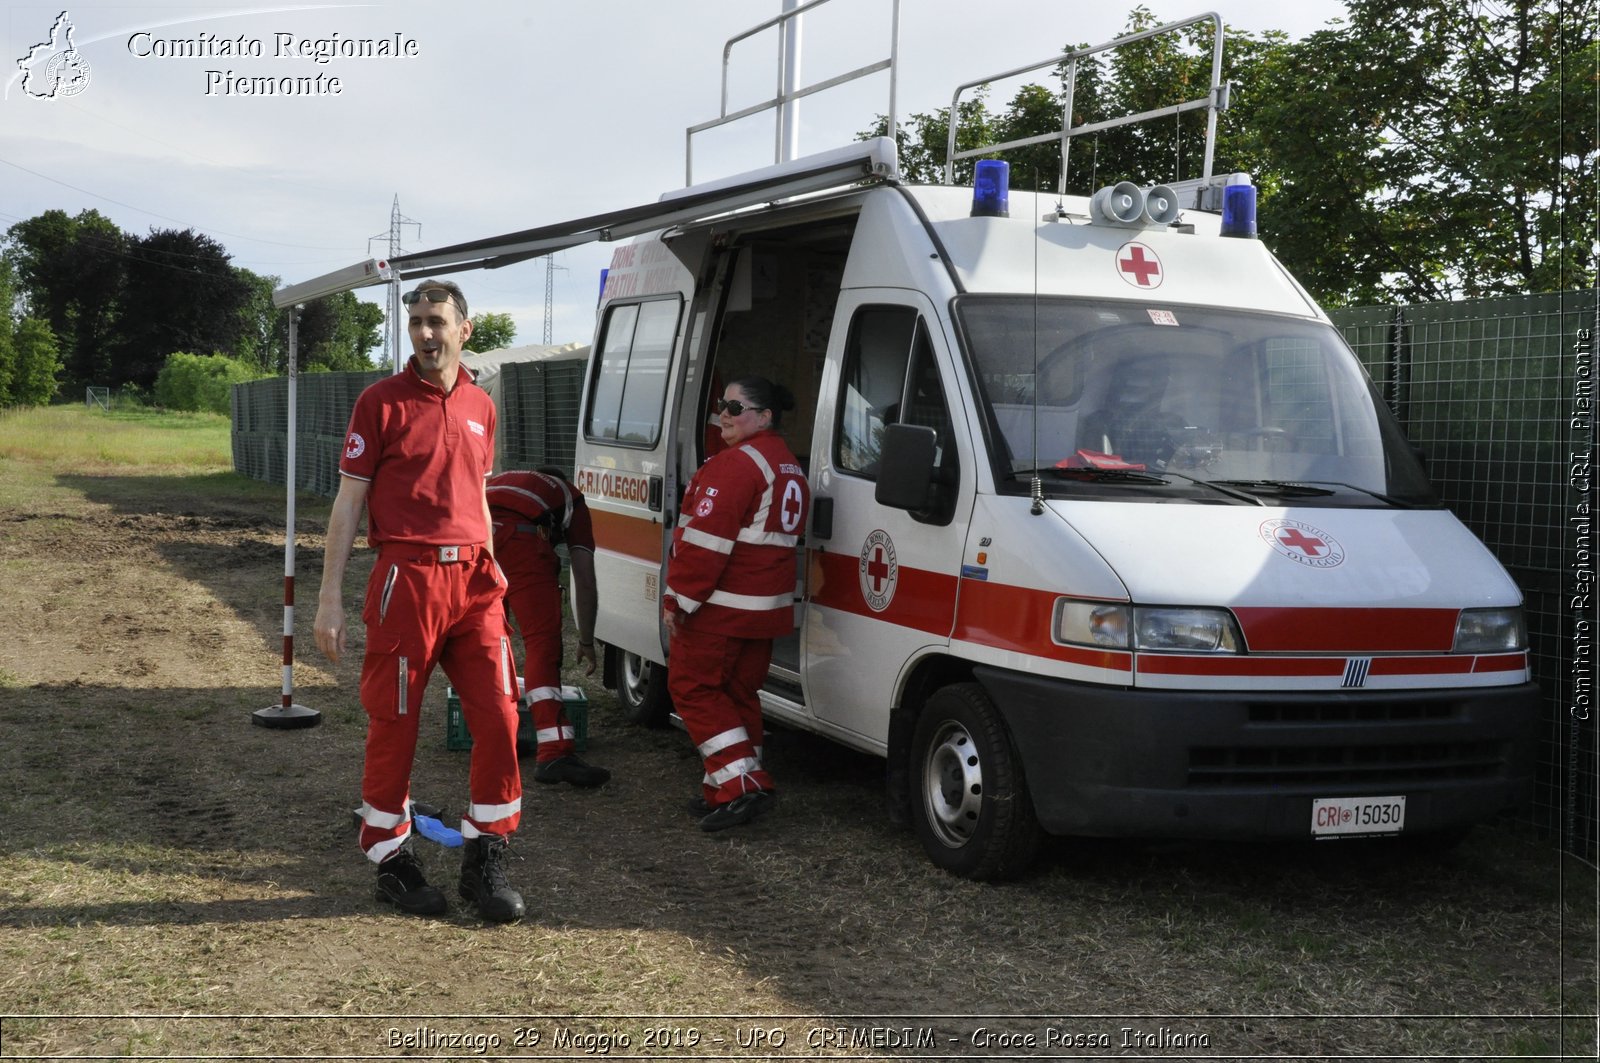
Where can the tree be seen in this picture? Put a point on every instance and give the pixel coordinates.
(8, 350)
(336, 332)
(37, 364)
(263, 329)
(1422, 149)
(70, 272)
(1434, 150)
(490, 332)
(923, 142)
(201, 382)
(180, 293)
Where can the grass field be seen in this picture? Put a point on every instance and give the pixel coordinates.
(80, 437)
(175, 882)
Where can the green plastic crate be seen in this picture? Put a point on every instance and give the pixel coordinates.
(458, 737)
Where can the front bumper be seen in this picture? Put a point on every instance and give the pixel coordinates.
(1121, 762)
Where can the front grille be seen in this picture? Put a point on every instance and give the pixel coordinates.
(1398, 764)
(1352, 711)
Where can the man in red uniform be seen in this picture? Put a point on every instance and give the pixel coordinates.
(730, 592)
(533, 513)
(419, 448)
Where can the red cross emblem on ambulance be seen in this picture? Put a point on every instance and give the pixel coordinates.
(879, 570)
(1138, 265)
(1302, 543)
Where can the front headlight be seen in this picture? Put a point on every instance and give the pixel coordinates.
(1098, 624)
(1189, 630)
(1490, 631)
(1122, 627)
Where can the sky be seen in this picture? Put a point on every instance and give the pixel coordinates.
(477, 118)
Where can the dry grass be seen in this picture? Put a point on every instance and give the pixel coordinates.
(161, 861)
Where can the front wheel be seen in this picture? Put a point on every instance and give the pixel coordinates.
(970, 803)
(642, 690)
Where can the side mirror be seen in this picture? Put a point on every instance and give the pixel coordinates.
(906, 468)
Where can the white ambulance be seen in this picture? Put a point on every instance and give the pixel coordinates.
(1111, 535)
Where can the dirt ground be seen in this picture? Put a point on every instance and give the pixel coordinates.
(175, 881)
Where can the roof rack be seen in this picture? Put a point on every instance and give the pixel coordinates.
(788, 93)
(1215, 100)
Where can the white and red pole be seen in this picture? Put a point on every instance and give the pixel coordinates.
(288, 715)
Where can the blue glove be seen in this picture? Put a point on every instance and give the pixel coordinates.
(433, 830)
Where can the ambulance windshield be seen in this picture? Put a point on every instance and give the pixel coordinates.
(1257, 405)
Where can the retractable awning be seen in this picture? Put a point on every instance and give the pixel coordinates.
(863, 161)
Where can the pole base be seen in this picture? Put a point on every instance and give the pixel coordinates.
(279, 718)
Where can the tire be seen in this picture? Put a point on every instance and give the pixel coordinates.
(642, 690)
(969, 802)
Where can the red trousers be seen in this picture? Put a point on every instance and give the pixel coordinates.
(421, 612)
(714, 681)
(533, 575)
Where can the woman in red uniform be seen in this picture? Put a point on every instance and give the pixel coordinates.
(730, 592)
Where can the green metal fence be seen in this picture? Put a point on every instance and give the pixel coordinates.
(323, 402)
(1494, 392)
(538, 414)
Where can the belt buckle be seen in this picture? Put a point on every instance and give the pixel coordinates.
(449, 553)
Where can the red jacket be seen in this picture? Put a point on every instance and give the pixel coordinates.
(534, 496)
(732, 569)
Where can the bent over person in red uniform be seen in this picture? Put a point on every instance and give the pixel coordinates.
(533, 513)
(419, 450)
(730, 592)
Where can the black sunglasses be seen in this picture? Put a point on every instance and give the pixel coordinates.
(433, 295)
(733, 407)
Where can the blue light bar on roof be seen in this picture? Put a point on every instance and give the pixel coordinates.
(1239, 208)
(991, 189)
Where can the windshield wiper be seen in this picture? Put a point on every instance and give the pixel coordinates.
(1219, 485)
(1293, 488)
(1113, 476)
(1398, 503)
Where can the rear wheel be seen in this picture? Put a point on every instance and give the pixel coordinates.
(642, 690)
(970, 803)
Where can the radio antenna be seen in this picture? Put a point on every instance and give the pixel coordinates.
(1037, 486)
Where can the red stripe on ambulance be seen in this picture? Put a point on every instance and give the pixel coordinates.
(1018, 620)
(1275, 629)
(922, 600)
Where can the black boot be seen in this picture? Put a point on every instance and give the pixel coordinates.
(571, 769)
(401, 883)
(483, 880)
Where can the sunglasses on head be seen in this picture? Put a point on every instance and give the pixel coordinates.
(733, 407)
(433, 295)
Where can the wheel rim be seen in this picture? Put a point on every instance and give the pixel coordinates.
(635, 677)
(952, 785)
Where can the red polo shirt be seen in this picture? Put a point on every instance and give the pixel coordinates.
(426, 455)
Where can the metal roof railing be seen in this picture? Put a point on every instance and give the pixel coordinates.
(1215, 100)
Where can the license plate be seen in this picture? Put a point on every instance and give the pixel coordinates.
(1333, 816)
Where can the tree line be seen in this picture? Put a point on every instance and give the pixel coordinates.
(99, 306)
(1420, 150)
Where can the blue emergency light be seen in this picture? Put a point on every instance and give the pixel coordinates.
(1239, 210)
(991, 189)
